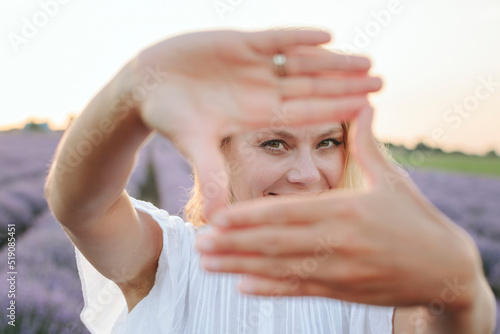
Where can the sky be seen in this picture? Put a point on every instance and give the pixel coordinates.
(440, 60)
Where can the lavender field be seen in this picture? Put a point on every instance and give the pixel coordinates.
(48, 295)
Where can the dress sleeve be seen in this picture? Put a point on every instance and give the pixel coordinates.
(104, 303)
(105, 308)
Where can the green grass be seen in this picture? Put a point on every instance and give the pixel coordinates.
(149, 190)
(423, 159)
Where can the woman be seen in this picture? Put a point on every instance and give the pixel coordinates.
(383, 244)
(198, 89)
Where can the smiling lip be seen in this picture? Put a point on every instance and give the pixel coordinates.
(294, 194)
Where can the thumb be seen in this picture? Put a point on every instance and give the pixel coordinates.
(366, 150)
(212, 176)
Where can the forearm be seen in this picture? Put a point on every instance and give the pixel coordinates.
(96, 155)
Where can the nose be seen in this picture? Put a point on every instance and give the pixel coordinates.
(304, 170)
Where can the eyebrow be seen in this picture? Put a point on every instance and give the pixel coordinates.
(288, 135)
(331, 132)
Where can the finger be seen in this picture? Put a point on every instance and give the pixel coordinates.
(290, 286)
(367, 151)
(293, 87)
(256, 265)
(271, 241)
(295, 287)
(325, 266)
(298, 111)
(277, 211)
(285, 268)
(213, 179)
(308, 60)
(273, 41)
(311, 110)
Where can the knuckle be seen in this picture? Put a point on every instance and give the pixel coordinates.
(348, 276)
(351, 209)
(351, 87)
(271, 244)
(226, 244)
(278, 214)
(313, 86)
(342, 88)
(353, 243)
(276, 267)
(307, 86)
(301, 289)
(299, 65)
(236, 265)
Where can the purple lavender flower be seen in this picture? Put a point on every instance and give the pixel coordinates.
(173, 175)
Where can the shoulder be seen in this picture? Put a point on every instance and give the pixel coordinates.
(168, 222)
(170, 237)
(176, 240)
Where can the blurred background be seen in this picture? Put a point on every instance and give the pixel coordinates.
(439, 113)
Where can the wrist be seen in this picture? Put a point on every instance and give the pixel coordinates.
(472, 312)
(146, 77)
(464, 303)
(126, 92)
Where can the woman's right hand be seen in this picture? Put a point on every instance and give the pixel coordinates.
(198, 88)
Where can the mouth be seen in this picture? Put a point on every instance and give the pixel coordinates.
(294, 194)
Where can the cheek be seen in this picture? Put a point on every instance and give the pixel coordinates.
(252, 174)
(262, 175)
(334, 169)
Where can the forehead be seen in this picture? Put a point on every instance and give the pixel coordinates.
(301, 132)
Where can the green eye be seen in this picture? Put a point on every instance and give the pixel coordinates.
(327, 143)
(273, 145)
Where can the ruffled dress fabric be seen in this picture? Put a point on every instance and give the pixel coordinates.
(187, 299)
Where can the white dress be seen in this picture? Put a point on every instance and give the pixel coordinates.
(186, 299)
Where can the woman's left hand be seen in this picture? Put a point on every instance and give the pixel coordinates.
(387, 245)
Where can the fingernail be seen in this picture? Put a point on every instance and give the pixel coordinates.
(211, 262)
(375, 83)
(205, 244)
(247, 286)
(220, 220)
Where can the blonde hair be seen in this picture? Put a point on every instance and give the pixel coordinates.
(352, 178)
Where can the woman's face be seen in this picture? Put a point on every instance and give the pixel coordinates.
(288, 161)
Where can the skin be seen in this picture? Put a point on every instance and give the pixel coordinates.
(204, 89)
(195, 89)
(387, 245)
(283, 162)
